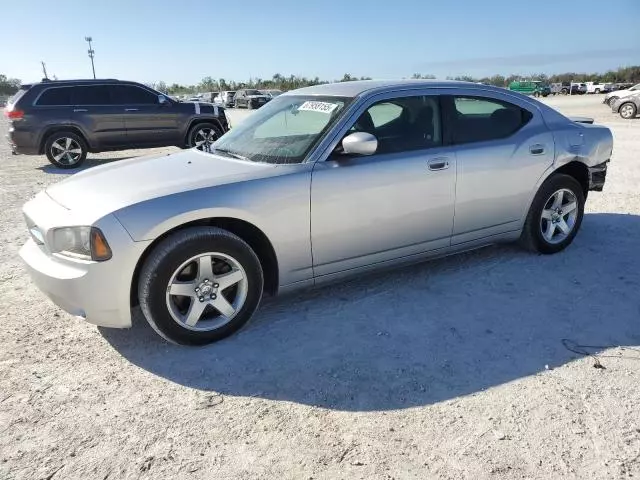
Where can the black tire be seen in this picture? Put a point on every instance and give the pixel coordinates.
(199, 127)
(633, 109)
(536, 94)
(565, 91)
(158, 270)
(71, 160)
(532, 238)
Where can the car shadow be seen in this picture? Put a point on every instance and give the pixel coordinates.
(88, 163)
(423, 334)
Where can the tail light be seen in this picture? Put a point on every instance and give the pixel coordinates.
(14, 114)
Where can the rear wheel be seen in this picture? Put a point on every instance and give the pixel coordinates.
(628, 110)
(200, 285)
(555, 215)
(565, 91)
(65, 149)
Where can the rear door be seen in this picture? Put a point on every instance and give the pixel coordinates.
(502, 147)
(102, 122)
(147, 121)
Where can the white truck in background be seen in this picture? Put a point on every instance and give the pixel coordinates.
(596, 87)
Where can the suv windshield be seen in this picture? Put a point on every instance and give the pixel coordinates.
(284, 130)
(253, 92)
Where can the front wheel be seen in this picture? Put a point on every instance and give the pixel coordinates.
(202, 136)
(65, 149)
(555, 215)
(200, 285)
(628, 110)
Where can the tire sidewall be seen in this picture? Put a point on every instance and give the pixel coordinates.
(550, 186)
(58, 135)
(168, 256)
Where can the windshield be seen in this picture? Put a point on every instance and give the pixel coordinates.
(635, 87)
(253, 92)
(284, 130)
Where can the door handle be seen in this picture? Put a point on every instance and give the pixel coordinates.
(130, 109)
(536, 149)
(438, 163)
(76, 110)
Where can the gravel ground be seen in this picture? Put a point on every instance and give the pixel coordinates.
(453, 369)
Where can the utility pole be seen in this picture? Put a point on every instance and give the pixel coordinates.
(91, 55)
(44, 69)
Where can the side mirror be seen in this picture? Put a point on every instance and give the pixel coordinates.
(162, 100)
(359, 143)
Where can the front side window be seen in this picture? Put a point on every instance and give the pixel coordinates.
(402, 124)
(477, 119)
(284, 130)
(91, 95)
(132, 95)
(58, 96)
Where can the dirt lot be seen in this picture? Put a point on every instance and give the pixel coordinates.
(453, 369)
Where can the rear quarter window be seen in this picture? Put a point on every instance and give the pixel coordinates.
(16, 96)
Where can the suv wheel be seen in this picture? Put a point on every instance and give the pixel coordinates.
(628, 110)
(202, 136)
(65, 149)
(555, 215)
(200, 285)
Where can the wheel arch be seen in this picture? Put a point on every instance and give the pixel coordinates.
(62, 128)
(247, 231)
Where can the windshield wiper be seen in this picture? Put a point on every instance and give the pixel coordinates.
(231, 154)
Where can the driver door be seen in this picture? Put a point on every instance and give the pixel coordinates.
(398, 202)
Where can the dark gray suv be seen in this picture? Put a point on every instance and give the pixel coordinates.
(67, 119)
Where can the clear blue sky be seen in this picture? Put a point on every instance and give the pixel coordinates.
(187, 40)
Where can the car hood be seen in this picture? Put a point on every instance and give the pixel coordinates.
(101, 190)
(621, 93)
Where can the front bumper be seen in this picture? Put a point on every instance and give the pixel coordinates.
(597, 176)
(99, 292)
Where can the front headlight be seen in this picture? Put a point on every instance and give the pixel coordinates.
(84, 243)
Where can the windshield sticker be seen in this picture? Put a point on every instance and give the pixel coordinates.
(324, 107)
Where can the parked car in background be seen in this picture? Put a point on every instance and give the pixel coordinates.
(225, 98)
(206, 233)
(209, 96)
(596, 87)
(573, 88)
(530, 87)
(555, 88)
(616, 94)
(628, 106)
(67, 119)
(272, 93)
(250, 99)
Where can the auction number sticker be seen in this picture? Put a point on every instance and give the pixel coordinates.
(324, 107)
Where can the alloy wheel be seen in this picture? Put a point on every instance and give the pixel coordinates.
(204, 138)
(207, 291)
(627, 111)
(66, 151)
(559, 216)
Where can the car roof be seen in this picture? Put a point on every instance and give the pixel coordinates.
(355, 88)
(87, 81)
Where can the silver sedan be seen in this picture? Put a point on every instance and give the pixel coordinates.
(322, 183)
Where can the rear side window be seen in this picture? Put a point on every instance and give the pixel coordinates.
(132, 95)
(477, 119)
(59, 96)
(16, 96)
(91, 95)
